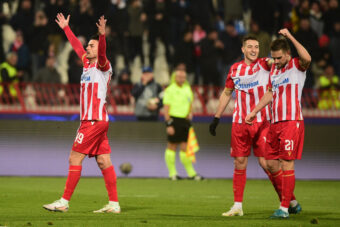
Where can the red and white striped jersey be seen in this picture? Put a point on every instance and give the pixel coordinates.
(250, 83)
(94, 80)
(287, 84)
(94, 84)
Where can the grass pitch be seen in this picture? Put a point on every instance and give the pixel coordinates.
(160, 202)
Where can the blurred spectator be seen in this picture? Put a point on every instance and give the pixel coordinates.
(10, 76)
(202, 13)
(111, 45)
(75, 68)
(334, 46)
(147, 94)
(263, 37)
(178, 20)
(83, 19)
(197, 35)
(329, 86)
(51, 9)
(21, 49)
(324, 57)
(299, 11)
(124, 88)
(158, 26)
(48, 74)
(232, 48)
(184, 52)
(118, 20)
(39, 45)
(23, 19)
(212, 49)
(331, 16)
(75, 65)
(233, 10)
(2, 22)
(316, 20)
(324, 5)
(219, 23)
(309, 39)
(137, 18)
(282, 14)
(259, 8)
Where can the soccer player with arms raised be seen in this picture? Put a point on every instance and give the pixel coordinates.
(286, 133)
(249, 78)
(91, 136)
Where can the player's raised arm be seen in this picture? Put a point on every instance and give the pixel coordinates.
(304, 57)
(102, 60)
(76, 44)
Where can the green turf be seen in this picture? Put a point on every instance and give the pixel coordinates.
(160, 202)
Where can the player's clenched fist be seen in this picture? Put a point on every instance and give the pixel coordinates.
(285, 32)
(250, 118)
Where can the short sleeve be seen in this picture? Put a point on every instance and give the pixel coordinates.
(296, 62)
(264, 63)
(269, 85)
(167, 96)
(229, 83)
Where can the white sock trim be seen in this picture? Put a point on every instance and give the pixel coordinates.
(116, 204)
(64, 201)
(238, 205)
(285, 209)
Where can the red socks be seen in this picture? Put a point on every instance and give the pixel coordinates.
(276, 179)
(239, 182)
(288, 185)
(72, 181)
(110, 183)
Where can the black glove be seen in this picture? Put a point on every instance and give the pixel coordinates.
(213, 126)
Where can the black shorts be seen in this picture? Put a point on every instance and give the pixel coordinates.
(182, 127)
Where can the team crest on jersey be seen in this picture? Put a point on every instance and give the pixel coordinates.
(256, 69)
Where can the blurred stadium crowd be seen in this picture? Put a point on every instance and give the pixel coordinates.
(202, 35)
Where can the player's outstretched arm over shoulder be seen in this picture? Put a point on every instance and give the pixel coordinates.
(102, 60)
(222, 104)
(76, 44)
(304, 57)
(265, 100)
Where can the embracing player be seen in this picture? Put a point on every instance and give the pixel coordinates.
(249, 78)
(91, 138)
(286, 133)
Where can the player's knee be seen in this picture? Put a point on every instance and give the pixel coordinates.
(273, 165)
(73, 161)
(240, 163)
(103, 162)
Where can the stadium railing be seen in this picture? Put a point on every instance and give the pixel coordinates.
(64, 99)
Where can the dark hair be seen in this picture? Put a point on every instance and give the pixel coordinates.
(95, 37)
(248, 37)
(280, 44)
